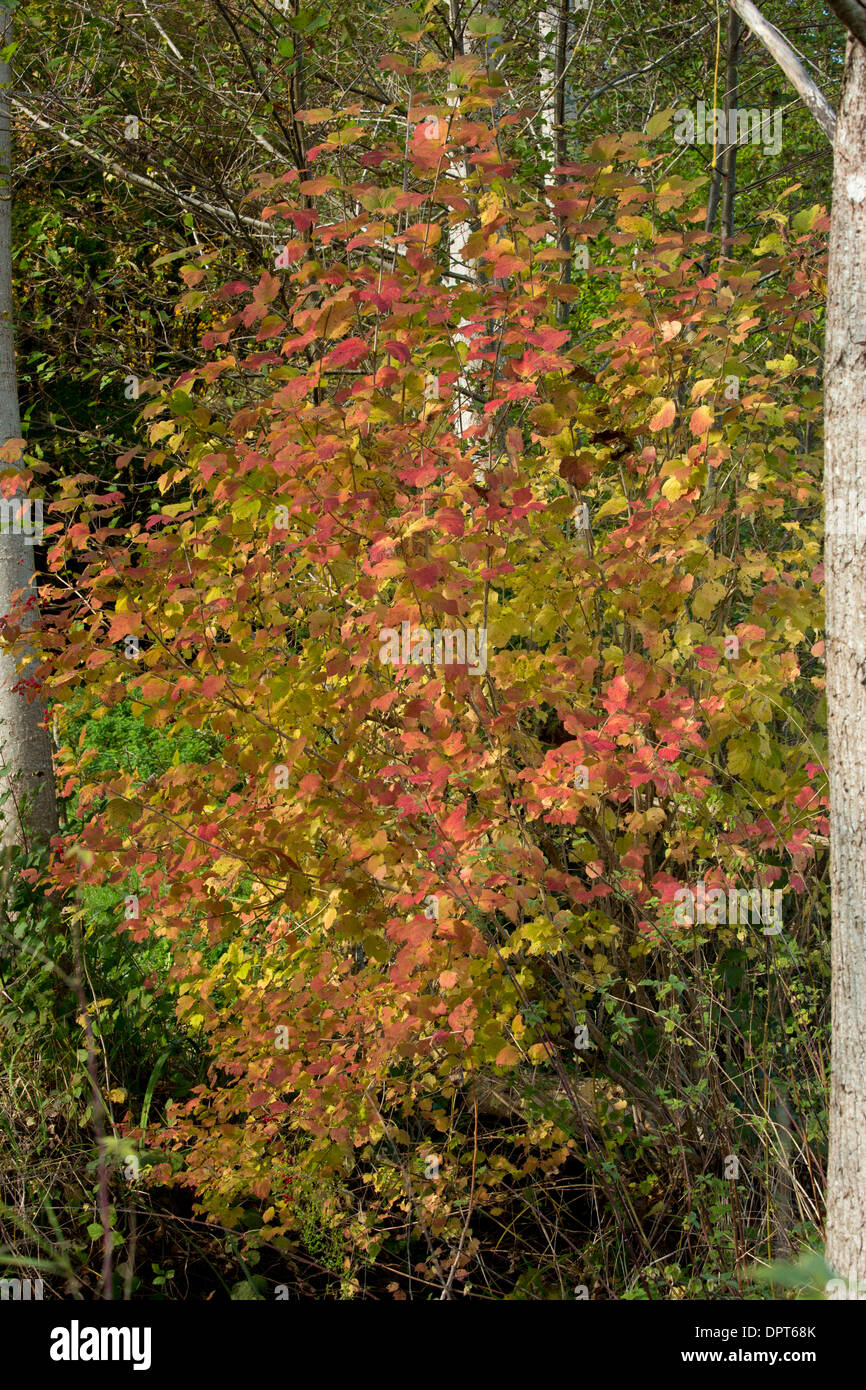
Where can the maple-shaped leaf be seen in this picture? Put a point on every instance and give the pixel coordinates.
(267, 289)
(233, 287)
(550, 338)
(506, 264)
(312, 187)
(398, 350)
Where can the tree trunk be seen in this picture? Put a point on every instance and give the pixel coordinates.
(29, 811)
(845, 562)
(729, 169)
(548, 28)
(723, 181)
(553, 25)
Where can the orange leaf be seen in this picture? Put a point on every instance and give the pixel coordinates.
(701, 420)
(664, 416)
(122, 623)
(12, 450)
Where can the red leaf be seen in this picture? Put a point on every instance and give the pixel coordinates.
(450, 520)
(571, 470)
(349, 353)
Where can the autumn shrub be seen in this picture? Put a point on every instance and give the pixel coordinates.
(422, 912)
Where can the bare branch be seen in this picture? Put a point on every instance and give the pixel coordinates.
(172, 194)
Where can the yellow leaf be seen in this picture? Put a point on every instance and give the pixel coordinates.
(641, 225)
(612, 507)
(739, 759)
(707, 597)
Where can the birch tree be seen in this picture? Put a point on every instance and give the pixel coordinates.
(845, 577)
(845, 561)
(26, 774)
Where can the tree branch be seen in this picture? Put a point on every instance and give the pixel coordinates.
(173, 195)
(779, 48)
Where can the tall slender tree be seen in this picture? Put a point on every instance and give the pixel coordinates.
(729, 167)
(29, 810)
(845, 560)
(845, 569)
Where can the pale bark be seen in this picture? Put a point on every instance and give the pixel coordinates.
(548, 24)
(553, 26)
(29, 812)
(845, 562)
(845, 650)
(467, 415)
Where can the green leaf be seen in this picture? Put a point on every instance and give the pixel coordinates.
(484, 26)
(658, 122)
(407, 24)
(249, 1290)
(171, 256)
(808, 1276)
(805, 219)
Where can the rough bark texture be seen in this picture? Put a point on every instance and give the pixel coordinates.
(845, 559)
(29, 811)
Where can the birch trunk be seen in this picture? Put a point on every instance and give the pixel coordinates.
(29, 811)
(547, 26)
(468, 417)
(845, 563)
